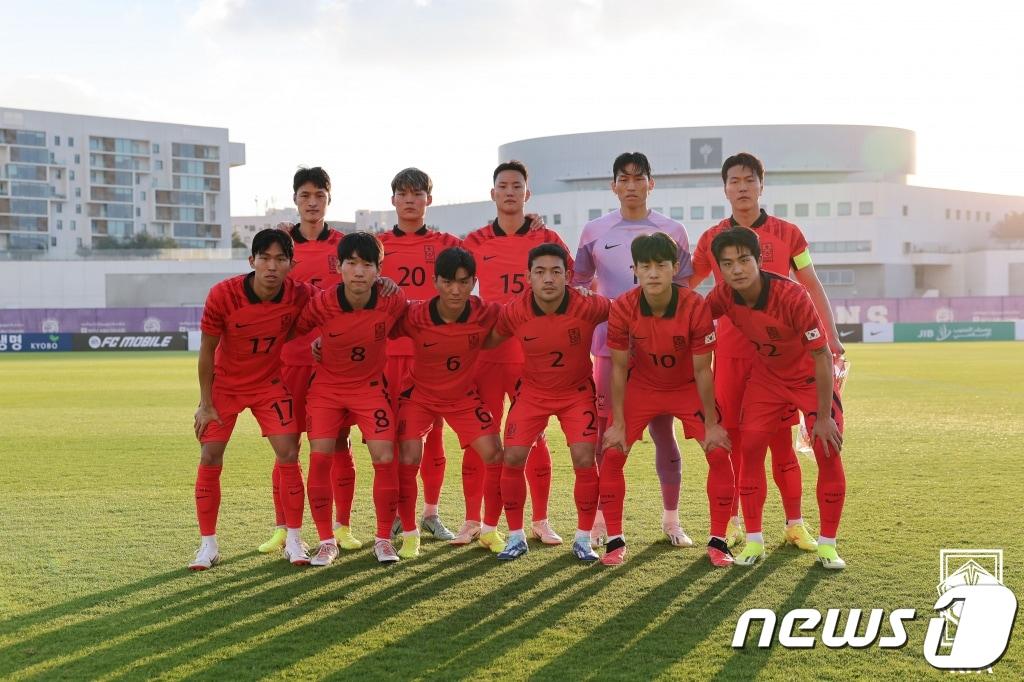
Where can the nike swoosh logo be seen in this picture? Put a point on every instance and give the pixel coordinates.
(845, 334)
(428, 345)
(875, 332)
(332, 335)
(240, 326)
(321, 506)
(530, 338)
(611, 246)
(380, 430)
(489, 257)
(639, 338)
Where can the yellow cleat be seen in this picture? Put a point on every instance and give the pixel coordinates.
(275, 543)
(829, 558)
(410, 547)
(751, 554)
(343, 535)
(734, 535)
(493, 541)
(798, 535)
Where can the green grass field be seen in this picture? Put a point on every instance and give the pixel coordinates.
(97, 465)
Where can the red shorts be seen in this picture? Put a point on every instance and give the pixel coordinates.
(530, 411)
(329, 409)
(732, 376)
(644, 403)
(603, 384)
(768, 404)
(396, 372)
(273, 407)
(296, 379)
(467, 416)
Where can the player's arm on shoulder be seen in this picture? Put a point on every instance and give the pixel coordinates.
(809, 278)
(206, 412)
(700, 263)
(615, 434)
(716, 304)
(503, 328)
(584, 267)
(825, 427)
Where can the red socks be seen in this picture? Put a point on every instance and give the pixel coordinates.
(319, 490)
(612, 486)
(538, 477)
(753, 487)
(207, 498)
(492, 494)
(585, 493)
(513, 495)
(385, 496)
(293, 494)
(343, 474)
(472, 483)
(275, 480)
(407, 493)
(831, 490)
(736, 457)
(721, 490)
(786, 471)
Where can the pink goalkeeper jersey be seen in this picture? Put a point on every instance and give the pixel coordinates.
(604, 252)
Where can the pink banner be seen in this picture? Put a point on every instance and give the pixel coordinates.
(922, 310)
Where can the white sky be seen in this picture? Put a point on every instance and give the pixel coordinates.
(365, 88)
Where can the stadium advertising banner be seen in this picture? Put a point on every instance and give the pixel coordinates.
(100, 320)
(954, 331)
(34, 343)
(110, 342)
(850, 333)
(925, 310)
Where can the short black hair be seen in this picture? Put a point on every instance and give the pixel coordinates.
(654, 248)
(363, 244)
(264, 239)
(745, 160)
(513, 165)
(635, 159)
(739, 237)
(412, 178)
(317, 175)
(547, 249)
(451, 259)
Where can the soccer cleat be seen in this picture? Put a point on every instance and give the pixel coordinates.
(734, 535)
(410, 547)
(598, 534)
(718, 553)
(385, 552)
(750, 554)
(513, 550)
(297, 553)
(676, 535)
(470, 531)
(829, 558)
(275, 543)
(798, 535)
(543, 531)
(433, 525)
(493, 541)
(583, 551)
(325, 554)
(615, 553)
(343, 536)
(206, 557)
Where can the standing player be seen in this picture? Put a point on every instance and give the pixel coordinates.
(448, 333)
(245, 322)
(604, 252)
(667, 333)
(353, 320)
(793, 367)
(555, 324)
(783, 248)
(500, 249)
(411, 250)
(316, 262)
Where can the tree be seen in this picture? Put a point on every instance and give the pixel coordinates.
(1010, 227)
(236, 241)
(141, 240)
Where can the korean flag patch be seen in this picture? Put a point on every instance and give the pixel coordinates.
(812, 334)
(710, 338)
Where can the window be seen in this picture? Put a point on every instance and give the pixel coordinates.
(696, 213)
(676, 213)
(159, 164)
(142, 195)
(947, 214)
(78, 192)
(780, 210)
(717, 212)
(822, 209)
(71, 175)
(78, 209)
(593, 214)
(138, 212)
(867, 208)
(59, 207)
(656, 209)
(844, 208)
(53, 241)
(842, 278)
(906, 210)
(156, 148)
(56, 140)
(60, 224)
(801, 211)
(839, 247)
(557, 219)
(73, 226)
(78, 158)
(71, 142)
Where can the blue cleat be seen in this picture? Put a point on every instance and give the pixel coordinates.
(584, 552)
(513, 550)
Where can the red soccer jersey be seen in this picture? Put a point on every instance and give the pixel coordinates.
(782, 325)
(556, 346)
(353, 340)
(662, 347)
(783, 248)
(409, 261)
(501, 260)
(445, 355)
(252, 332)
(316, 263)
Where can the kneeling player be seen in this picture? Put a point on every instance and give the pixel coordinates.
(793, 368)
(245, 322)
(555, 325)
(667, 329)
(354, 321)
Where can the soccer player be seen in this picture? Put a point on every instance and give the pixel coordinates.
(411, 251)
(500, 249)
(793, 367)
(661, 337)
(245, 322)
(353, 320)
(555, 325)
(448, 333)
(783, 249)
(604, 252)
(316, 262)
